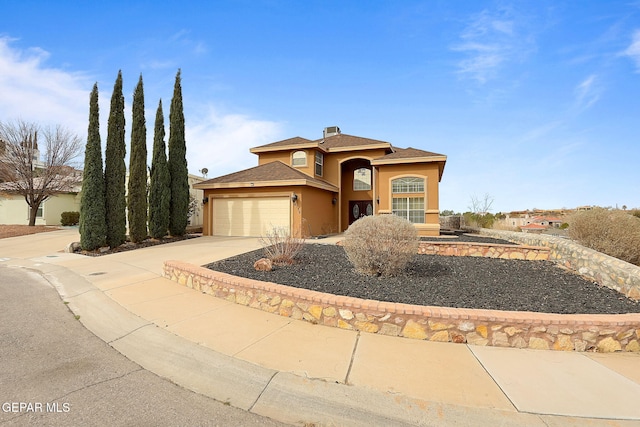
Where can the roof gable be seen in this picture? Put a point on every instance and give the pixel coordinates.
(266, 175)
(339, 142)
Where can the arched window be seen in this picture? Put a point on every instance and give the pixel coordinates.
(299, 158)
(408, 185)
(409, 198)
(362, 179)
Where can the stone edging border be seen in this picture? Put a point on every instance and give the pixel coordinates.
(486, 250)
(603, 269)
(569, 332)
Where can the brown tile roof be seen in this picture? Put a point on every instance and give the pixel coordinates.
(334, 142)
(265, 175)
(343, 140)
(285, 143)
(408, 153)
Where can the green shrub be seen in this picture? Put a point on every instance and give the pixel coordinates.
(70, 218)
(476, 220)
(564, 226)
(380, 245)
(615, 233)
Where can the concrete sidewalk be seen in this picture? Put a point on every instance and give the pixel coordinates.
(299, 373)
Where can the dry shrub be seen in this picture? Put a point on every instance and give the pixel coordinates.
(615, 233)
(280, 246)
(380, 245)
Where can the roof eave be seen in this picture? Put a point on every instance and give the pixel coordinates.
(358, 147)
(265, 149)
(262, 184)
(407, 160)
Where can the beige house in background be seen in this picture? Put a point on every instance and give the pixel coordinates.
(14, 209)
(319, 187)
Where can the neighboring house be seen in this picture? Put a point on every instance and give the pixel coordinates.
(14, 209)
(520, 219)
(533, 228)
(548, 221)
(195, 220)
(320, 187)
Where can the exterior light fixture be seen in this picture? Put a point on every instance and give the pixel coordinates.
(334, 201)
(294, 198)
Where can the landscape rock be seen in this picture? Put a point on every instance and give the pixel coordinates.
(72, 247)
(263, 264)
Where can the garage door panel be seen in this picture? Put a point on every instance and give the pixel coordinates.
(250, 216)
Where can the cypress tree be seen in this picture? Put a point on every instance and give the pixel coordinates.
(115, 169)
(92, 202)
(137, 194)
(160, 192)
(178, 172)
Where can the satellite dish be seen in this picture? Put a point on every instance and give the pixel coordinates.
(204, 172)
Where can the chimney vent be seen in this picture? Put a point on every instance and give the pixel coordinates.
(330, 131)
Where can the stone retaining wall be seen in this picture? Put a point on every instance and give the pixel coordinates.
(586, 332)
(603, 269)
(488, 250)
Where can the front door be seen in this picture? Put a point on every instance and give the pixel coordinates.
(359, 208)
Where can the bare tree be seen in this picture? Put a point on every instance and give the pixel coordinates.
(21, 170)
(481, 206)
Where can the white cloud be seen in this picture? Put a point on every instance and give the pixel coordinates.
(221, 142)
(489, 42)
(633, 51)
(33, 92)
(587, 93)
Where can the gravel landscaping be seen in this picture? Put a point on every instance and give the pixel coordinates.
(464, 282)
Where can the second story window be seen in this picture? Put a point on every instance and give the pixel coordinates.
(362, 179)
(319, 163)
(299, 158)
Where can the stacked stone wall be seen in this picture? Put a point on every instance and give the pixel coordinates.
(487, 250)
(603, 269)
(604, 333)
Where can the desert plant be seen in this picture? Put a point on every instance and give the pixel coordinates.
(380, 245)
(477, 220)
(615, 233)
(280, 246)
(69, 218)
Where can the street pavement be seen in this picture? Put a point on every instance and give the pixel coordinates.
(55, 372)
(304, 374)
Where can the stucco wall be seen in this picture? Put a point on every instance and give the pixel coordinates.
(54, 206)
(318, 213)
(429, 171)
(14, 209)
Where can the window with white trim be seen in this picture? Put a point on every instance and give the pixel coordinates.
(408, 199)
(39, 212)
(408, 185)
(299, 158)
(319, 163)
(362, 179)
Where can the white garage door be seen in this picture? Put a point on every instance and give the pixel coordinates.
(251, 216)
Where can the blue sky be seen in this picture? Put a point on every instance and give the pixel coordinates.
(534, 103)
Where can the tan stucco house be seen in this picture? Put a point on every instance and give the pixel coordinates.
(319, 187)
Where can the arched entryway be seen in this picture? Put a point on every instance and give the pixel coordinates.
(356, 176)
